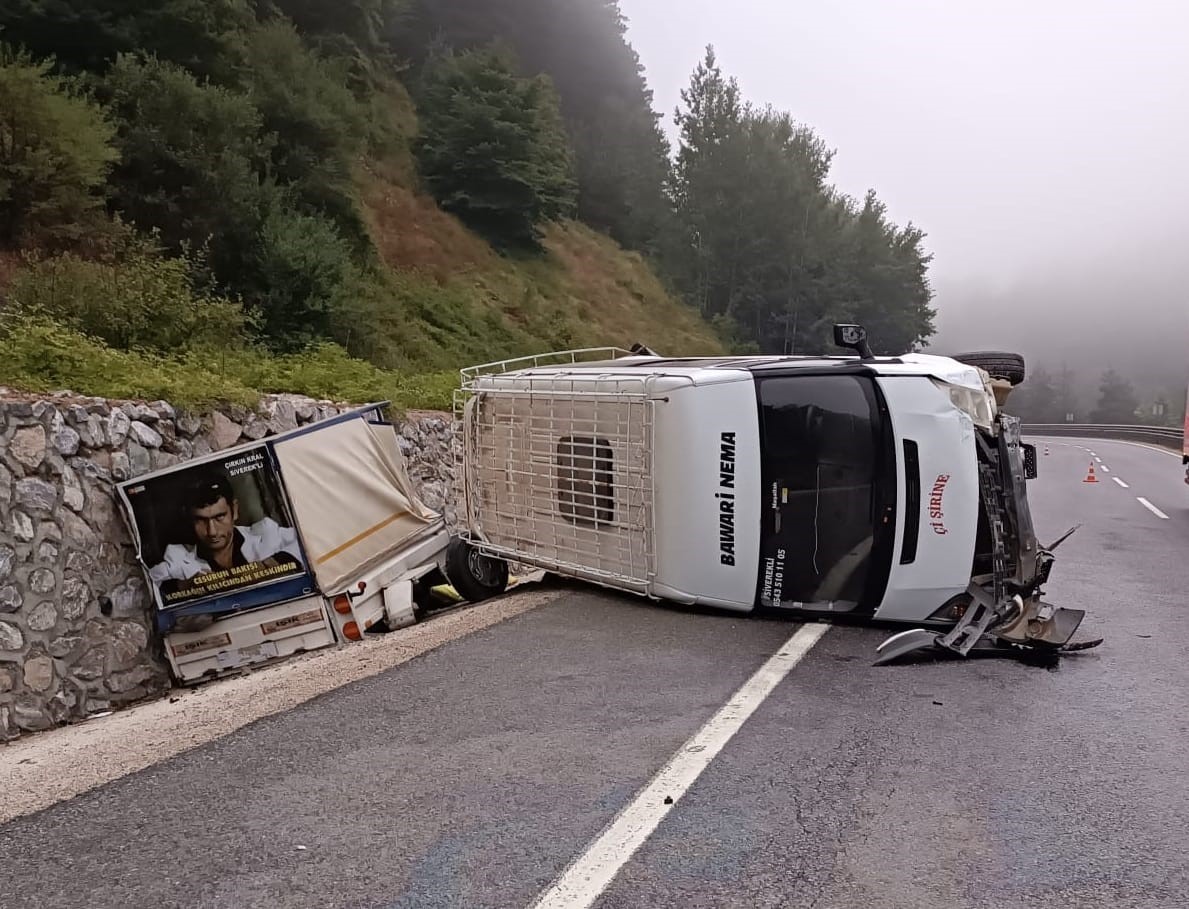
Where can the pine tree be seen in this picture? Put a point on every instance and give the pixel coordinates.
(493, 149)
(1067, 404)
(620, 153)
(191, 159)
(766, 245)
(1117, 401)
(707, 179)
(1036, 401)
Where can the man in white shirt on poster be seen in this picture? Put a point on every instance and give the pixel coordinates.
(221, 544)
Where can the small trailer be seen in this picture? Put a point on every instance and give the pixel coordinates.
(296, 542)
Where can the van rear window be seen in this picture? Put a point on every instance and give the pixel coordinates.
(585, 488)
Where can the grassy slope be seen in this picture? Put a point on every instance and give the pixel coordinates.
(447, 300)
(583, 291)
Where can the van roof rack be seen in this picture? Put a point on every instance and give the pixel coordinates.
(554, 358)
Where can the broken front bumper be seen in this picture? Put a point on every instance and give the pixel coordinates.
(1005, 609)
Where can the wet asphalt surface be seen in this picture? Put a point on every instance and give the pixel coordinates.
(472, 776)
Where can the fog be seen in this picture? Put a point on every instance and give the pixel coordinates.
(1043, 147)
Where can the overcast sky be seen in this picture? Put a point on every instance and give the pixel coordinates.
(1043, 146)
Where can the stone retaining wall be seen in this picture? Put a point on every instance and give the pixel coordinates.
(75, 629)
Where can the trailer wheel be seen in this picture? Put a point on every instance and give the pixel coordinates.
(998, 364)
(475, 576)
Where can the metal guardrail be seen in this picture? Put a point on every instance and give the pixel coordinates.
(1165, 437)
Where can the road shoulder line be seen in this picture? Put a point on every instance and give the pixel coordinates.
(41, 769)
(1152, 508)
(593, 871)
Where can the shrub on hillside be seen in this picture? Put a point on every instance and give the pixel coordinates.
(39, 354)
(326, 371)
(137, 299)
(298, 268)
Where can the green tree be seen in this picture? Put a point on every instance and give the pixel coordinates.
(317, 125)
(785, 235)
(764, 241)
(492, 148)
(1036, 401)
(192, 156)
(1117, 401)
(1068, 404)
(621, 168)
(55, 153)
(620, 152)
(892, 292)
(708, 182)
(203, 36)
(355, 27)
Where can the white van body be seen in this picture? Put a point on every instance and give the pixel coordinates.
(821, 485)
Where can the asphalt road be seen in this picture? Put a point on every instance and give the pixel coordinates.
(473, 775)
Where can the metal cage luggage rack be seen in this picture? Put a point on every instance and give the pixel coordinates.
(554, 358)
(555, 470)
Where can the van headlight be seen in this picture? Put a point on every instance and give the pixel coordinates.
(975, 403)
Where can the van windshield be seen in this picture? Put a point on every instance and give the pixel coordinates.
(823, 447)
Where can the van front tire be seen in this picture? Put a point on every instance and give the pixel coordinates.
(999, 364)
(475, 576)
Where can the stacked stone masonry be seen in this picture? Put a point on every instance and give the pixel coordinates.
(75, 627)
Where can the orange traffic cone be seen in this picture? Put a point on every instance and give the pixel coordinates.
(1090, 478)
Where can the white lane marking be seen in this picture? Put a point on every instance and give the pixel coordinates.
(1152, 508)
(1120, 482)
(590, 874)
(1105, 469)
(1092, 454)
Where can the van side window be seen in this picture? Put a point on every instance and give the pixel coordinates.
(585, 468)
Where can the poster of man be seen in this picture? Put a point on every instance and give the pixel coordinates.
(215, 528)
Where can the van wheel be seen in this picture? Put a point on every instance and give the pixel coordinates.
(998, 364)
(475, 576)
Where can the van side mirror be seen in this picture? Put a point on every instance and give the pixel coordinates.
(853, 337)
(643, 351)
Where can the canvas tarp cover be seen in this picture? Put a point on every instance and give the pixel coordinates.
(352, 497)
